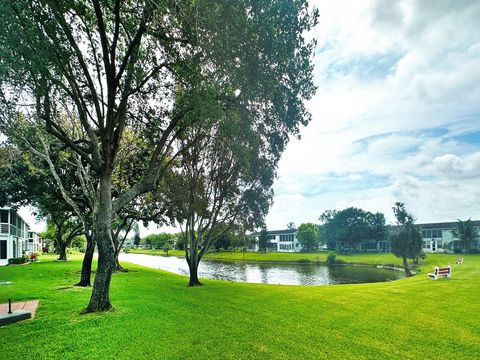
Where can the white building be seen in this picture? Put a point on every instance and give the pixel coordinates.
(13, 235)
(280, 240)
(440, 237)
(35, 242)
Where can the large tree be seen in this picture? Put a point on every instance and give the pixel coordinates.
(308, 236)
(226, 180)
(405, 238)
(347, 228)
(121, 64)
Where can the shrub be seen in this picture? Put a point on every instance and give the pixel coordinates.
(18, 260)
(332, 258)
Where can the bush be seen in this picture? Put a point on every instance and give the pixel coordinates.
(332, 258)
(18, 260)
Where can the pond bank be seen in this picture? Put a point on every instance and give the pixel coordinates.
(367, 259)
(273, 273)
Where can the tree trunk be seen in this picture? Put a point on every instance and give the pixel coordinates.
(118, 267)
(62, 251)
(408, 273)
(102, 234)
(87, 263)
(193, 267)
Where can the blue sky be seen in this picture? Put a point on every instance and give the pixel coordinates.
(396, 116)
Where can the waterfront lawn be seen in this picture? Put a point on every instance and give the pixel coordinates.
(321, 257)
(158, 317)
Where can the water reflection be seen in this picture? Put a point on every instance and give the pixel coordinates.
(268, 273)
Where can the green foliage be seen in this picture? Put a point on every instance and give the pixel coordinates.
(466, 234)
(158, 241)
(20, 260)
(263, 240)
(332, 258)
(136, 238)
(166, 248)
(308, 236)
(405, 239)
(344, 230)
(291, 226)
(79, 242)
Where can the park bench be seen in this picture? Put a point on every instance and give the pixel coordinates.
(440, 272)
(460, 260)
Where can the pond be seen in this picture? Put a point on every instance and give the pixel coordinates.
(269, 273)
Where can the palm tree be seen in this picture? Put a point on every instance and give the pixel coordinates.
(466, 234)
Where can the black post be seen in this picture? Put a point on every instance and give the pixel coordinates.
(9, 305)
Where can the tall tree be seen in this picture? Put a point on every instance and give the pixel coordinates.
(405, 238)
(263, 240)
(308, 236)
(120, 64)
(227, 184)
(466, 234)
(291, 226)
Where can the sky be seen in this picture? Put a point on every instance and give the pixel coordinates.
(396, 116)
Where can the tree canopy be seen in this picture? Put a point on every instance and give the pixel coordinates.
(308, 236)
(466, 234)
(345, 229)
(156, 68)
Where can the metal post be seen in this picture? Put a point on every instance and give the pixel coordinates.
(9, 306)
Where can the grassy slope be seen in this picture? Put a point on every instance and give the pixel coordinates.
(360, 258)
(158, 317)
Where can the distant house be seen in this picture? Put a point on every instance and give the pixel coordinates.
(13, 235)
(280, 240)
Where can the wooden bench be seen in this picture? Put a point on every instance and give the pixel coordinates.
(460, 260)
(438, 272)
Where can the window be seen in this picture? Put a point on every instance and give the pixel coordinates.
(288, 237)
(4, 216)
(424, 234)
(429, 234)
(371, 246)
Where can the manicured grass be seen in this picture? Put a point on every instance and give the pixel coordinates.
(158, 317)
(321, 257)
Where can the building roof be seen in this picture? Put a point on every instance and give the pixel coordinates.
(445, 225)
(276, 232)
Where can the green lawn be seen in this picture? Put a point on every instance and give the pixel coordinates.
(158, 317)
(359, 258)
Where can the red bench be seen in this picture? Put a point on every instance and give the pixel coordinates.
(438, 272)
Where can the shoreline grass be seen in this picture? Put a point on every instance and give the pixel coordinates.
(157, 316)
(283, 257)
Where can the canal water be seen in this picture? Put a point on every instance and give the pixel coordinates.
(269, 273)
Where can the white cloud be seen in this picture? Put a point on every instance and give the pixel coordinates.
(398, 83)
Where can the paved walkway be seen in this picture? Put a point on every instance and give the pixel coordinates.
(27, 305)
